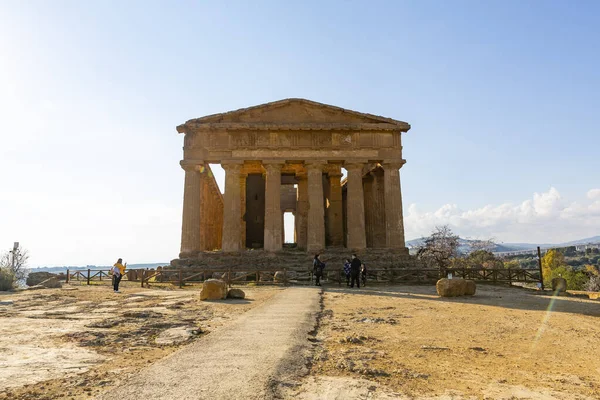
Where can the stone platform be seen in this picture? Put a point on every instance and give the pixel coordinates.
(297, 260)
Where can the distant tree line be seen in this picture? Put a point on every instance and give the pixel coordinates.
(580, 269)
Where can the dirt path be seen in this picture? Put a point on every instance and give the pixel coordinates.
(246, 359)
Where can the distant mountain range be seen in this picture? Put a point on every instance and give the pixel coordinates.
(465, 244)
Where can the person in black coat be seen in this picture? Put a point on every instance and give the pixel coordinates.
(355, 271)
(318, 267)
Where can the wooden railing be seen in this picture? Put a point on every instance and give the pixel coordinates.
(270, 276)
(501, 275)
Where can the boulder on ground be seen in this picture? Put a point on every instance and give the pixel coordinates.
(236, 294)
(213, 289)
(451, 287)
(35, 278)
(559, 284)
(470, 288)
(51, 283)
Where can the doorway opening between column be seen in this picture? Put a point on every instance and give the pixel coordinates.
(289, 227)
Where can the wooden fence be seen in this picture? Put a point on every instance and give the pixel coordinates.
(271, 276)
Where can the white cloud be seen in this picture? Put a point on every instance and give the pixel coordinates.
(544, 218)
(593, 194)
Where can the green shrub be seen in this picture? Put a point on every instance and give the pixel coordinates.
(576, 280)
(7, 279)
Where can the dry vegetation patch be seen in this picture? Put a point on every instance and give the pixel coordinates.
(502, 343)
(79, 341)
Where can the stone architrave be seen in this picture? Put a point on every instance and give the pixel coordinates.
(302, 212)
(316, 215)
(356, 207)
(273, 215)
(394, 222)
(192, 218)
(232, 206)
(334, 211)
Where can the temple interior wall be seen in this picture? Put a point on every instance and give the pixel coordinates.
(255, 211)
(211, 231)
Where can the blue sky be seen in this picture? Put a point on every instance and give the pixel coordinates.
(503, 98)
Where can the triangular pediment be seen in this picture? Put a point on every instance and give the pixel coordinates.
(295, 111)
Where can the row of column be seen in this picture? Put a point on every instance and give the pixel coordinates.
(310, 221)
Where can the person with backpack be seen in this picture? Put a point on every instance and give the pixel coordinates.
(347, 271)
(355, 271)
(117, 274)
(318, 267)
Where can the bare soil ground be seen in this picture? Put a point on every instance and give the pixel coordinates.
(406, 342)
(80, 341)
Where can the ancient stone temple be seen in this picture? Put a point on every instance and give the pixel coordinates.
(288, 156)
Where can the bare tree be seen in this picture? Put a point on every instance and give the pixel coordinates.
(440, 248)
(487, 244)
(15, 261)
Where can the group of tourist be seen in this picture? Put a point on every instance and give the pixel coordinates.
(354, 270)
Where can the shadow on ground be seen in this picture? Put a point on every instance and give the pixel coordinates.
(487, 295)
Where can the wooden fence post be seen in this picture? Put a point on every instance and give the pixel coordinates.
(88, 277)
(541, 269)
(67, 276)
(142, 279)
(180, 278)
(285, 276)
(229, 277)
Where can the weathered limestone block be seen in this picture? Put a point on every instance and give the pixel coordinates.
(35, 278)
(213, 289)
(236, 294)
(559, 284)
(451, 287)
(471, 288)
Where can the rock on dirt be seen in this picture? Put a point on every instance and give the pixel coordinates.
(451, 287)
(213, 289)
(559, 284)
(471, 288)
(35, 278)
(236, 294)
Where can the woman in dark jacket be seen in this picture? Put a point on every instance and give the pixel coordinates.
(318, 267)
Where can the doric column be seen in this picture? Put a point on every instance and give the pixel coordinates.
(192, 218)
(316, 215)
(356, 207)
(369, 209)
(232, 213)
(302, 212)
(334, 211)
(394, 221)
(273, 220)
(243, 177)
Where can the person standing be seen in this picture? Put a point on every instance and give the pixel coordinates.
(117, 274)
(347, 271)
(318, 267)
(355, 271)
(363, 274)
